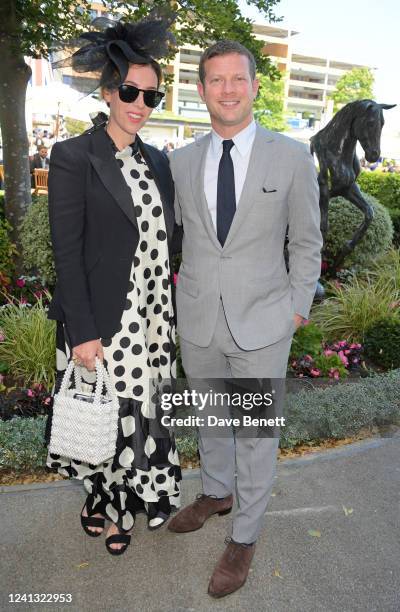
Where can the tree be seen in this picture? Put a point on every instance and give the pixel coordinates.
(268, 107)
(357, 84)
(29, 27)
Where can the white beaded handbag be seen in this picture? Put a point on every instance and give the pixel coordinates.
(85, 425)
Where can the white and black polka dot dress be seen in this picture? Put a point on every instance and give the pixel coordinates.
(145, 472)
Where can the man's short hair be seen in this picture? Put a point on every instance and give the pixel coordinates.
(224, 47)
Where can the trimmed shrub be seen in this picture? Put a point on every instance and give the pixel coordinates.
(341, 411)
(344, 218)
(29, 345)
(384, 186)
(311, 416)
(395, 217)
(36, 242)
(7, 253)
(22, 444)
(354, 307)
(382, 343)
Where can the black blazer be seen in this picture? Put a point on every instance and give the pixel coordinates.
(95, 232)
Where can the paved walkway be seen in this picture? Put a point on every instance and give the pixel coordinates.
(349, 496)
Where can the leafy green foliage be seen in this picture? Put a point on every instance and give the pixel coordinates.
(382, 342)
(395, 217)
(198, 22)
(354, 306)
(344, 218)
(357, 84)
(342, 410)
(8, 252)
(306, 341)
(327, 363)
(75, 127)
(22, 444)
(311, 416)
(268, 106)
(384, 186)
(29, 345)
(36, 242)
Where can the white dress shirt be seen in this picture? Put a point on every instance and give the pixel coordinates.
(240, 154)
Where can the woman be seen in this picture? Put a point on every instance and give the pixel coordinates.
(112, 225)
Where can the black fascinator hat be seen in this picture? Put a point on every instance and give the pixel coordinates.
(107, 50)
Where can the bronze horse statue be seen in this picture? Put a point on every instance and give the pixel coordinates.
(339, 167)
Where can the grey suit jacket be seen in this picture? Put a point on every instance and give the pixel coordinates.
(249, 272)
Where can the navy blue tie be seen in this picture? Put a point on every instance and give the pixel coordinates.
(226, 199)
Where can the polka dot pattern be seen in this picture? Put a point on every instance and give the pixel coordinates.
(141, 351)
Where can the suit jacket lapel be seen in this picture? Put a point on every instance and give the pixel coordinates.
(163, 180)
(257, 173)
(197, 168)
(110, 174)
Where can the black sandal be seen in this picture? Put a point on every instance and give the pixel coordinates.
(158, 513)
(118, 538)
(91, 521)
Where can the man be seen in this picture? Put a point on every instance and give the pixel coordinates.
(237, 190)
(39, 160)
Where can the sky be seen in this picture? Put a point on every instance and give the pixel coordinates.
(360, 31)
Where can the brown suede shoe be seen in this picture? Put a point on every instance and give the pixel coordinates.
(232, 569)
(195, 515)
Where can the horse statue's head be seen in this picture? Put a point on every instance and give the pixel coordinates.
(367, 126)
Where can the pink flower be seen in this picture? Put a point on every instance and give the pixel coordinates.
(175, 278)
(308, 357)
(315, 372)
(334, 373)
(20, 282)
(30, 393)
(23, 300)
(2, 337)
(343, 358)
(328, 352)
(38, 294)
(47, 401)
(305, 321)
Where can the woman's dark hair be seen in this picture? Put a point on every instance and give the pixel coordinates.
(111, 79)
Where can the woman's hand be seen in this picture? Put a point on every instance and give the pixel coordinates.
(85, 354)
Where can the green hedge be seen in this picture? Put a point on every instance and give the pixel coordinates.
(384, 186)
(395, 217)
(36, 242)
(336, 412)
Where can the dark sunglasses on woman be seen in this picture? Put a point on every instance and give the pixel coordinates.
(129, 93)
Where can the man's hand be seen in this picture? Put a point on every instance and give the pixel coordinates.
(298, 320)
(85, 354)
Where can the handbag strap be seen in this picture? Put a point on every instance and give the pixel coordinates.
(102, 377)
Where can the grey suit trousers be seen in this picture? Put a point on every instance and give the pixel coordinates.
(253, 458)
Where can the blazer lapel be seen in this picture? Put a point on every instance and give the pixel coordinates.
(256, 176)
(197, 168)
(106, 166)
(163, 180)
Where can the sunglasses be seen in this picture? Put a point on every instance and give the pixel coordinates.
(129, 93)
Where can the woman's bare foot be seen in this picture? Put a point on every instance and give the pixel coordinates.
(93, 529)
(113, 530)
